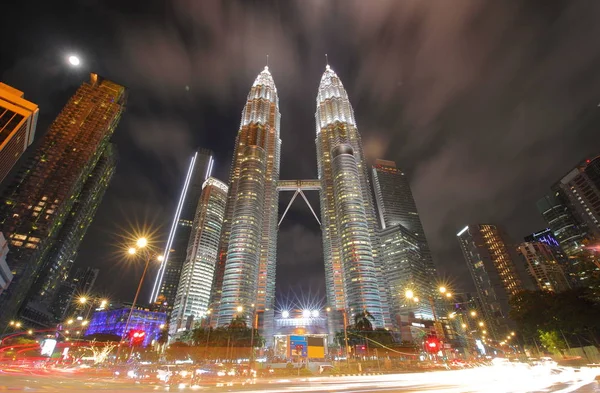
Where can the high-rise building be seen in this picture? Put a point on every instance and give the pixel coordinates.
(5, 273)
(245, 271)
(582, 187)
(405, 270)
(18, 121)
(491, 262)
(167, 277)
(80, 283)
(542, 267)
(396, 206)
(59, 261)
(572, 235)
(198, 270)
(36, 206)
(354, 280)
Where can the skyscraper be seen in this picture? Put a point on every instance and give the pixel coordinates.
(572, 234)
(35, 207)
(58, 262)
(198, 270)
(396, 206)
(354, 280)
(245, 271)
(18, 121)
(582, 186)
(492, 265)
(5, 273)
(167, 277)
(542, 267)
(405, 270)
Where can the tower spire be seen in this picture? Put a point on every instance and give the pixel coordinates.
(326, 60)
(267, 61)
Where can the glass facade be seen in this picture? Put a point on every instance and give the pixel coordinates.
(35, 207)
(167, 278)
(245, 270)
(198, 270)
(354, 276)
(494, 272)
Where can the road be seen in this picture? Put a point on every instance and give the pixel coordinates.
(484, 379)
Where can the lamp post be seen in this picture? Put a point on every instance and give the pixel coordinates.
(254, 326)
(141, 244)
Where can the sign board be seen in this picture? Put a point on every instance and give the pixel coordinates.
(298, 346)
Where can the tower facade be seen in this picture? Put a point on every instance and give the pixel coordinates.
(492, 266)
(36, 205)
(58, 263)
(542, 267)
(193, 292)
(167, 278)
(18, 121)
(245, 271)
(349, 226)
(397, 209)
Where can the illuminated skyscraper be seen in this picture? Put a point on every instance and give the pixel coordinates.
(18, 120)
(396, 207)
(245, 271)
(350, 244)
(167, 277)
(542, 267)
(199, 267)
(36, 206)
(491, 262)
(58, 262)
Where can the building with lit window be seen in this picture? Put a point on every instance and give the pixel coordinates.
(405, 270)
(114, 322)
(193, 293)
(166, 281)
(5, 273)
(18, 121)
(582, 187)
(542, 267)
(37, 204)
(353, 268)
(245, 270)
(572, 234)
(491, 262)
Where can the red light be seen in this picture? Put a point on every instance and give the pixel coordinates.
(432, 345)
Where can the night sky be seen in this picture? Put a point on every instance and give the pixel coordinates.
(484, 104)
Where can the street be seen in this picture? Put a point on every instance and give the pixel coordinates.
(519, 378)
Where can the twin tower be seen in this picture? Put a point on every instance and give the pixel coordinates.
(245, 269)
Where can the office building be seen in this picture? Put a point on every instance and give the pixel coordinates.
(5, 273)
(405, 270)
(491, 262)
(245, 270)
(542, 267)
(582, 187)
(353, 268)
(18, 121)
(36, 205)
(166, 281)
(572, 235)
(193, 293)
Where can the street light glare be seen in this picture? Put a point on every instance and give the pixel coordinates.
(285, 314)
(443, 289)
(131, 251)
(409, 294)
(240, 309)
(142, 242)
(82, 300)
(160, 258)
(74, 60)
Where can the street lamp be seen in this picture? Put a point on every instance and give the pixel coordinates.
(240, 308)
(442, 289)
(473, 313)
(481, 323)
(409, 294)
(83, 299)
(141, 244)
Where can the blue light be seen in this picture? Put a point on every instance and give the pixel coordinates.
(114, 321)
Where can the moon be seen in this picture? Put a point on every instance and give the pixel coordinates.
(74, 60)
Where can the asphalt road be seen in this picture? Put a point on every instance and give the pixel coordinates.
(488, 379)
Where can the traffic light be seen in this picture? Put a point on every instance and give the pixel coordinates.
(136, 337)
(432, 344)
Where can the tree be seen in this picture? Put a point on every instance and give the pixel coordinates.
(362, 321)
(552, 341)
